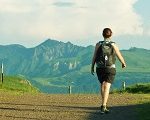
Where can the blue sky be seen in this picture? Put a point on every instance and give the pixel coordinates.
(81, 22)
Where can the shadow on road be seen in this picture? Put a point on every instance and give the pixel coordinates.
(116, 113)
(129, 112)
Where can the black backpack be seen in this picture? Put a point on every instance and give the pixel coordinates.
(105, 55)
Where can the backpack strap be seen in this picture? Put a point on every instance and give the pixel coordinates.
(101, 42)
(112, 42)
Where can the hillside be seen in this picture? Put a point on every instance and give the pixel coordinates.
(137, 59)
(17, 84)
(54, 58)
(52, 66)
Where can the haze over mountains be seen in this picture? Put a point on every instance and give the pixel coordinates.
(53, 61)
(53, 58)
(47, 59)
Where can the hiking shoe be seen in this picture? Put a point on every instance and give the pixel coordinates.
(104, 109)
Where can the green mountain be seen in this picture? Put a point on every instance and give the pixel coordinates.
(58, 64)
(47, 59)
(54, 58)
(137, 59)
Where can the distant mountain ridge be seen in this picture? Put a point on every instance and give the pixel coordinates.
(40, 60)
(54, 58)
(53, 65)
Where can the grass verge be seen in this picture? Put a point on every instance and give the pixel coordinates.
(17, 84)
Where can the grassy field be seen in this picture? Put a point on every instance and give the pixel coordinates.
(144, 109)
(17, 84)
(139, 88)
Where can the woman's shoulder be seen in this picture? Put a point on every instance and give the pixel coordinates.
(98, 44)
(113, 43)
(115, 46)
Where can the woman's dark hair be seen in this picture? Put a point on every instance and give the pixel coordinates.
(107, 32)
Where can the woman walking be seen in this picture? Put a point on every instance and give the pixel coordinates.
(104, 57)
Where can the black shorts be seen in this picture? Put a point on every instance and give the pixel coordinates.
(106, 74)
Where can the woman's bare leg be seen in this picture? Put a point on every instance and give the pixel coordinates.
(105, 87)
(102, 92)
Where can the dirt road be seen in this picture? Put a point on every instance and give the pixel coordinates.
(65, 107)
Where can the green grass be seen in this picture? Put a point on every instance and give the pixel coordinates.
(17, 84)
(143, 109)
(139, 88)
(143, 105)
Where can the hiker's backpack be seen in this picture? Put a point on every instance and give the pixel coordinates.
(105, 56)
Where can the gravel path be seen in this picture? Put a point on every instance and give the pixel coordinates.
(65, 107)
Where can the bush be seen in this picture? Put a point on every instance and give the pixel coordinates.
(139, 88)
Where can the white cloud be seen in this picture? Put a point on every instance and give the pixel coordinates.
(68, 19)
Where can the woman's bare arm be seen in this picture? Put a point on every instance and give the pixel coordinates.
(119, 55)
